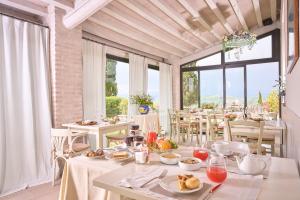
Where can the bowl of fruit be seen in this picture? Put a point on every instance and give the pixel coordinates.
(162, 145)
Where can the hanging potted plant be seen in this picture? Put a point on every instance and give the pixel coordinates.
(280, 84)
(143, 101)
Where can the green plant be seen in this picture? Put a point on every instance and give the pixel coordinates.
(111, 88)
(260, 100)
(273, 101)
(190, 88)
(208, 106)
(124, 106)
(141, 100)
(113, 106)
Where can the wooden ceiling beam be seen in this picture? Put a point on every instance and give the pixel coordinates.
(195, 14)
(158, 22)
(238, 13)
(82, 11)
(176, 17)
(63, 4)
(212, 5)
(140, 26)
(257, 11)
(273, 10)
(108, 34)
(26, 6)
(107, 22)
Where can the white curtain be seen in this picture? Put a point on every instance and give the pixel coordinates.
(165, 94)
(25, 117)
(138, 79)
(94, 66)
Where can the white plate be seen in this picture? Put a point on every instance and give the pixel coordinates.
(110, 156)
(170, 184)
(95, 157)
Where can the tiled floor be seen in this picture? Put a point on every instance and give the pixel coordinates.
(41, 192)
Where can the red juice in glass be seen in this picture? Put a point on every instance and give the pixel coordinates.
(216, 174)
(202, 154)
(152, 136)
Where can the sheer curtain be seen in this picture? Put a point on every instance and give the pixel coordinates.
(25, 118)
(165, 94)
(94, 66)
(138, 79)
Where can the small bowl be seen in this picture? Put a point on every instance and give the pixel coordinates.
(169, 161)
(190, 167)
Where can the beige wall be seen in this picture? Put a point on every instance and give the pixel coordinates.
(291, 112)
(66, 70)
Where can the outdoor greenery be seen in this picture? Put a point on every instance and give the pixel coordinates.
(273, 101)
(114, 105)
(190, 88)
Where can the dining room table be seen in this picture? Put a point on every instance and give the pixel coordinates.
(88, 179)
(99, 130)
(273, 129)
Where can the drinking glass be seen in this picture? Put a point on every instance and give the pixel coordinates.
(201, 153)
(216, 170)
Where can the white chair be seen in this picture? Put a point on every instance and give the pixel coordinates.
(65, 144)
(247, 128)
(213, 126)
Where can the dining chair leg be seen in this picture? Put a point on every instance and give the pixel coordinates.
(54, 172)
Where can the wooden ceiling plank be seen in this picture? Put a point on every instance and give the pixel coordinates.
(26, 6)
(273, 10)
(212, 5)
(198, 17)
(158, 22)
(257, 12)
(238, 13)
(106, 33)
(63, 4)
(105, 22)
(146, 30)
(178, 19)
(83, 11)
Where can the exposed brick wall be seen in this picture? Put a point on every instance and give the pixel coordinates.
(66, 70)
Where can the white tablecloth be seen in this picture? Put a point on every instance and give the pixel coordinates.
(147, 123)
(78, 176)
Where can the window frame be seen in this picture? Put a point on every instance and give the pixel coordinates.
(225, 65)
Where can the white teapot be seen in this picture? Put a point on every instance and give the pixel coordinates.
(251, 164)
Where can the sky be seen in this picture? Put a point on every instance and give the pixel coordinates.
(260, 77)
(122, 79)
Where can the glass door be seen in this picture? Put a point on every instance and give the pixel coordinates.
(235, 88)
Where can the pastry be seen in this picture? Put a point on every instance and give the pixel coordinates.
(192, 183)
(120, 154)
(187, 182)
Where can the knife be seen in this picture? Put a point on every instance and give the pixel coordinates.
(211, 191)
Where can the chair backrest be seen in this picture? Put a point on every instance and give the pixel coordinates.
(213, 121)
(58, 139)
(246, 128)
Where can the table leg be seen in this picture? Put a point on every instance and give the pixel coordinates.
(99, 139)
(277, 145)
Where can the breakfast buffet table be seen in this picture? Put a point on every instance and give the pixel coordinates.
(88, 179)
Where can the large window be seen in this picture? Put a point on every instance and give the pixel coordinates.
(228, 81)
(190, 89)
(116, 86)
(260, 80)
(211, 87)
(153, 84)
(235, 87)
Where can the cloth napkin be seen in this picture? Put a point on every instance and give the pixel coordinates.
(141, 177)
